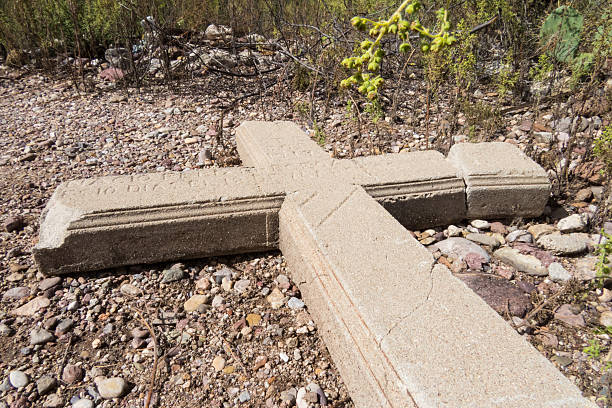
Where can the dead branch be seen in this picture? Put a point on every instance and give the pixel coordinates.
(147, 400)
(544, 303)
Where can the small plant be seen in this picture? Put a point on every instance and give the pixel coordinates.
(540, 71)
(506, 77)
(602, 148)
(320, 135)
(604, 250)
(374, 110)
(593, 350)
(366, 64)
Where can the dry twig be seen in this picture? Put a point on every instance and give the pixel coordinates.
(147, 400)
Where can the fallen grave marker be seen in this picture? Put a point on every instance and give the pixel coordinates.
(402, 330)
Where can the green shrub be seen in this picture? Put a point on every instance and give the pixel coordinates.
(560, 33)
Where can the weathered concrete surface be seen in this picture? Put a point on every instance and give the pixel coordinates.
(120, 220)
(501, 181)
(402, 332)
(420, 189)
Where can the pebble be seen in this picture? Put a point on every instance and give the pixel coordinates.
(130, 290)
(18, 379)
(194, 302)
(575, 222)
(253, 319)
(283, 356)
(14, 223)
(72, 374)
(276, 298)
(456, 247)
(83, 403)
(557, 273)
(289, 396)
(242, 285)
(49, 283)
(202, 284)
(520, 236)
(524, 263)
(300, 401)
(32, 307)
(218, 363)
(539, 230)
(244, 396)
(453, 231)
(114, 387)
(586, 268)
(17, 292)
(295, 303)
(217, 301)
(483, 239)
(565, 314)
(63, 326)
(53, 401)
(40, 336)
(606, 296)
(480, 224)
(563, 244)
(45, 384)
(606, 318)
(5, 330)
(173, 274)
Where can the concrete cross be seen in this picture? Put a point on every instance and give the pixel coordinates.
(401, 329)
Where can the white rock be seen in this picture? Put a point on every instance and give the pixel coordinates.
(557, 273)
(575, 222)
(480, 224)
(114, 387)
(18, 379)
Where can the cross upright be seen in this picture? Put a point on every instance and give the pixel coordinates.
(402, 330)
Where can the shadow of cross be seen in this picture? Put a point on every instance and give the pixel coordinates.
(401, 329)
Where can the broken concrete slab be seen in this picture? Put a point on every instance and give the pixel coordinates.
(112, 221)
(393, 329)
(501, 181)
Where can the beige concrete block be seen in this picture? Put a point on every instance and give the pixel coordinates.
(420, 189)
(263, 144)
(402, 332)
(501, 181)
(111, 221)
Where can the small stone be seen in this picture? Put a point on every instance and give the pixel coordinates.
(18, 379)
(563, 244)
(459, 247)
(606, 319)
(49, 283)
(524, 263)
(217, 301)
(253, 319)
(242, 285)
(40, 336)
(45, 384)
(586, 194)
(5, 330)
(276, 298)
(130, 290)
(114, 387)
(63, 327)
(194, 302)
(586, 268)
(218, 363)
(575, 222)
(480, 224)
(173, 274)
(32, 307)
(520, 236)
(483, 239)
(315, 388)
(539, 230)
(53, 401)
(453, 231)
(283, 281)
(289, 396)
(72, 374)
(226, 284)
(606, 296)
(499, 228)
(14, 223)
(139, 333)
(557, 273)
(15, 293)
(562, 361)
(83, 403)
(244, 396)
(295, 303)
(283, 356)
(565, 314)
(202, 284)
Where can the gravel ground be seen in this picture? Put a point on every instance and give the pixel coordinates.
(232, 331)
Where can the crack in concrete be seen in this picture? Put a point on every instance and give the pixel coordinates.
(413, 311)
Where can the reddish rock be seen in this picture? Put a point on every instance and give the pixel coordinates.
(498, 293)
